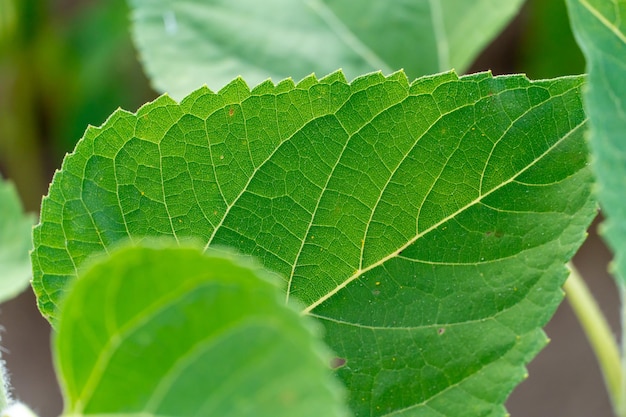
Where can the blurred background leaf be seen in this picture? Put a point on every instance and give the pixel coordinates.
(601, 32)
(548, 48)
(63, 65)
(15, 243)
(186, 43)
(218, 340)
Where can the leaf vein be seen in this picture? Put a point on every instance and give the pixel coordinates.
(361, 271)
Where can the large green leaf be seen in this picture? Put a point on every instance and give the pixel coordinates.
(15, 242)
(172, 332)
(426, 224)
(600, 29)
(186, 43)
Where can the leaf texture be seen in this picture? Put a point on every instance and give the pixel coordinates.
(184, 44)
(168, 331)
(601, 32)
(425, 224)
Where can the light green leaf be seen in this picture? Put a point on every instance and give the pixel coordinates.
(425, 224)
(15, 242)
(162, 331)
(186, 43)
(600, 28)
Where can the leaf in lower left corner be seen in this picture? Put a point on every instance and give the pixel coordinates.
(170, 331)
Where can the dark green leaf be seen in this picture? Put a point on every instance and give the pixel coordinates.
(426, 224)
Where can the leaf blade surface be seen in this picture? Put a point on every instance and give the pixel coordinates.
(216, 340)
(412, 219)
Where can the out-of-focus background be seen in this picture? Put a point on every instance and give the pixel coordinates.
(67, 64)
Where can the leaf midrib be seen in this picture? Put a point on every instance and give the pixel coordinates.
(394, 254)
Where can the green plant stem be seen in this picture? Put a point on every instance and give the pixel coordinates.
(599, 335)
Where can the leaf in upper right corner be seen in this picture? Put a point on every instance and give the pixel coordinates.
(186, 43)
(15, 243)
(600, 28)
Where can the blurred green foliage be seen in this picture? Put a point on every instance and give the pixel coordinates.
(548, 48)
(63, 65)
(67, 64)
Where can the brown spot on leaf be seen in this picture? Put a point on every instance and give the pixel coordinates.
(337, 362)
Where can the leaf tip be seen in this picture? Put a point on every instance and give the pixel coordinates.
(399, 76)
(264, 87)
(307, 81)
(336, 76)
(194, 95)
(235, 91)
